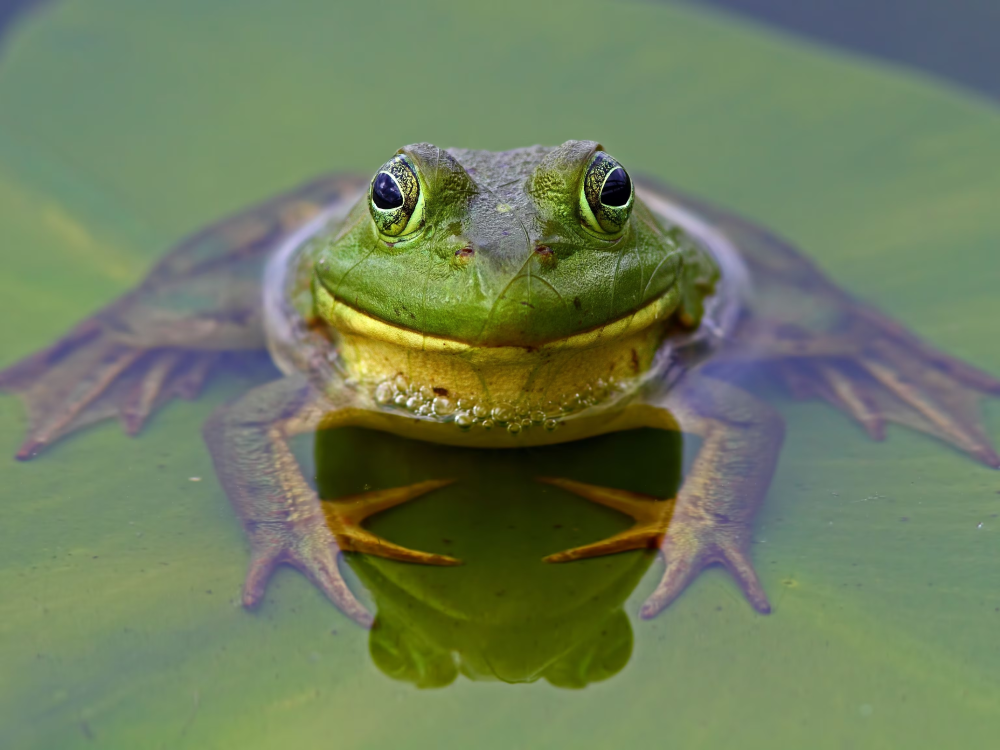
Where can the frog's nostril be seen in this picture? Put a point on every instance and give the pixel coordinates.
(465, 252)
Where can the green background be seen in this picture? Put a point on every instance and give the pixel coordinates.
(124, 126)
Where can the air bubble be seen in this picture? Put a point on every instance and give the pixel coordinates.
(465, 421)
(426, 392)
(502, 414)
(488, 424)
(551, 424)
(538, 416)
(513, 428)
(443, 406)
(413, 402)
(384, 393)
(400, 399)
(480, 411)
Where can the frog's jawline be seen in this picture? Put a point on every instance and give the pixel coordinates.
(358, 321)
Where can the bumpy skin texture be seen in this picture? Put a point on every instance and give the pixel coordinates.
(500, 261)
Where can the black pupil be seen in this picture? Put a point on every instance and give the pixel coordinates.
(385, 192)
(617, 188)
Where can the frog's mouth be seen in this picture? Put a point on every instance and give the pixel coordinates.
(350, 321)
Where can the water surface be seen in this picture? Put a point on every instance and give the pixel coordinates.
(124, 128)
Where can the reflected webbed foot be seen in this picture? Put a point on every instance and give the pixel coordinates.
(690, 540)
(344, 516)
(652, 516)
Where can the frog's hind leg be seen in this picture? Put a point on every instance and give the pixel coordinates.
(199, 305)
(888, 375)
(710, 520)
(83, 380)
(283, 518)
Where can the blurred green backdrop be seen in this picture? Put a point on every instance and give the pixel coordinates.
(124, 126)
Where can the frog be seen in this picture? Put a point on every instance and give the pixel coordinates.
(496, 300)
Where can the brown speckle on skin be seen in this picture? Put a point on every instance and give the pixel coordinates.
(576, 303)
(441, 391)
(635, 361)
(465, 252)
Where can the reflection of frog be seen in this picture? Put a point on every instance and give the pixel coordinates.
(504, 614)
(496, 300)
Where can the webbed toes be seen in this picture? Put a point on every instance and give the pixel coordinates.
(685, 561)
(261, 569)
(311, 549)
(319, 564)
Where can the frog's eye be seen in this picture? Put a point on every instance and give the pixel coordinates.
(606, 195)
(394, 198)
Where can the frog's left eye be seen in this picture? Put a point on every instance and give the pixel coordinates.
(394, 198)
(606, 195)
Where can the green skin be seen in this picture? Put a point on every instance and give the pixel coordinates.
(510, 294)
(496, 250)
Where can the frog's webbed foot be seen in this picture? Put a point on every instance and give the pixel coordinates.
(710, 520)
(696, 541)
(879, 373)
(312, 541)
(689, 542)
(284, 519)
(89, 376)
(305, 544)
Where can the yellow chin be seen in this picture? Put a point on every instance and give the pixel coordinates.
(444, 375)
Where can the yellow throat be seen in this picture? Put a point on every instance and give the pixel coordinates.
(511, 385)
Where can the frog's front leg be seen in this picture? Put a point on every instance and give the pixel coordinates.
(282, 515)
(710, 520)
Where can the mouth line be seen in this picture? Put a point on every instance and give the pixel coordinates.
(347, 318)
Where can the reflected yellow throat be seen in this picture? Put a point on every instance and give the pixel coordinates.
(506, 385)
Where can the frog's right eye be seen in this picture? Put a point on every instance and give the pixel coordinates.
(394, 198)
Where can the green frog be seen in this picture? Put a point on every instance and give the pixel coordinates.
(496, 300)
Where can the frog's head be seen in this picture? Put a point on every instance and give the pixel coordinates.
(480, 252)
(512, 248)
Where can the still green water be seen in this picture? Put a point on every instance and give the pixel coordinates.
(123, 127)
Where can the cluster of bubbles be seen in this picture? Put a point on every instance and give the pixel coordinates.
(467, 413)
